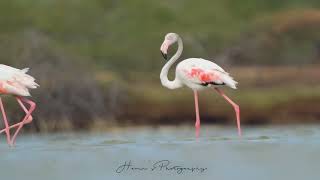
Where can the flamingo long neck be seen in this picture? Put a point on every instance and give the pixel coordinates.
(164, 72)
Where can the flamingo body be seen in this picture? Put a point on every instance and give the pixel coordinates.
(198, 74)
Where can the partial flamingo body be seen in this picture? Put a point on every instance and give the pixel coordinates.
(17, 83)
(197, 74)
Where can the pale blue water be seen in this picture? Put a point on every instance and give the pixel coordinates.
(262, 153)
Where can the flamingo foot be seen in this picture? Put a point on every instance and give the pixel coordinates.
(197, 125)
(198, 132)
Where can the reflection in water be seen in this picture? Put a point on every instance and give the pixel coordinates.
(262, 153)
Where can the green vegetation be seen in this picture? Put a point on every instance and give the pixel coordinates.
(124, 36)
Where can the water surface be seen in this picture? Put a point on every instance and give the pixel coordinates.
(285, 152)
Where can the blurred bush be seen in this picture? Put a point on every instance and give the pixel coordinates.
(286, 38)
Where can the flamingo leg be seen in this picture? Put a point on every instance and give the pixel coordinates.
(196, 103)
(12, 126)
(27, 118)
(17, 124)
(7, 128)
(235, 106)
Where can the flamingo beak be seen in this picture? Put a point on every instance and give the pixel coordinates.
(164, 55)
(164, 48)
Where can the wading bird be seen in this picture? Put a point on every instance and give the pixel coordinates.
(197, 74)
(17, 83)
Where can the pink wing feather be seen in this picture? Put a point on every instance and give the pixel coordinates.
(212, 76)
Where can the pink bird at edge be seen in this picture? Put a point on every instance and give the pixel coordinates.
(197, 74)
(17, 83)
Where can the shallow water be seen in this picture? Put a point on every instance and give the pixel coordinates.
(285, 152)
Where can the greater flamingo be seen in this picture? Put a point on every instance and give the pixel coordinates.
(197, 74)
(17, 83)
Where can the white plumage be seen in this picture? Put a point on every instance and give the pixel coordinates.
(208, 72)
(16, 81)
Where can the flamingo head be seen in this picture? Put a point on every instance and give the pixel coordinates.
(169, 39)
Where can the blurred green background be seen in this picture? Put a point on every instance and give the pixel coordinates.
(98, 61)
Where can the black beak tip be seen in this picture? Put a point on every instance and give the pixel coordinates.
(164, 55)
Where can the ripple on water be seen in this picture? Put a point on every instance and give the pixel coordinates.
(220, 139)
(243, 138)
(258, 138)
(115, 141)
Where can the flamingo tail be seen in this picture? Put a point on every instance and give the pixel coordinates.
(229, 81)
